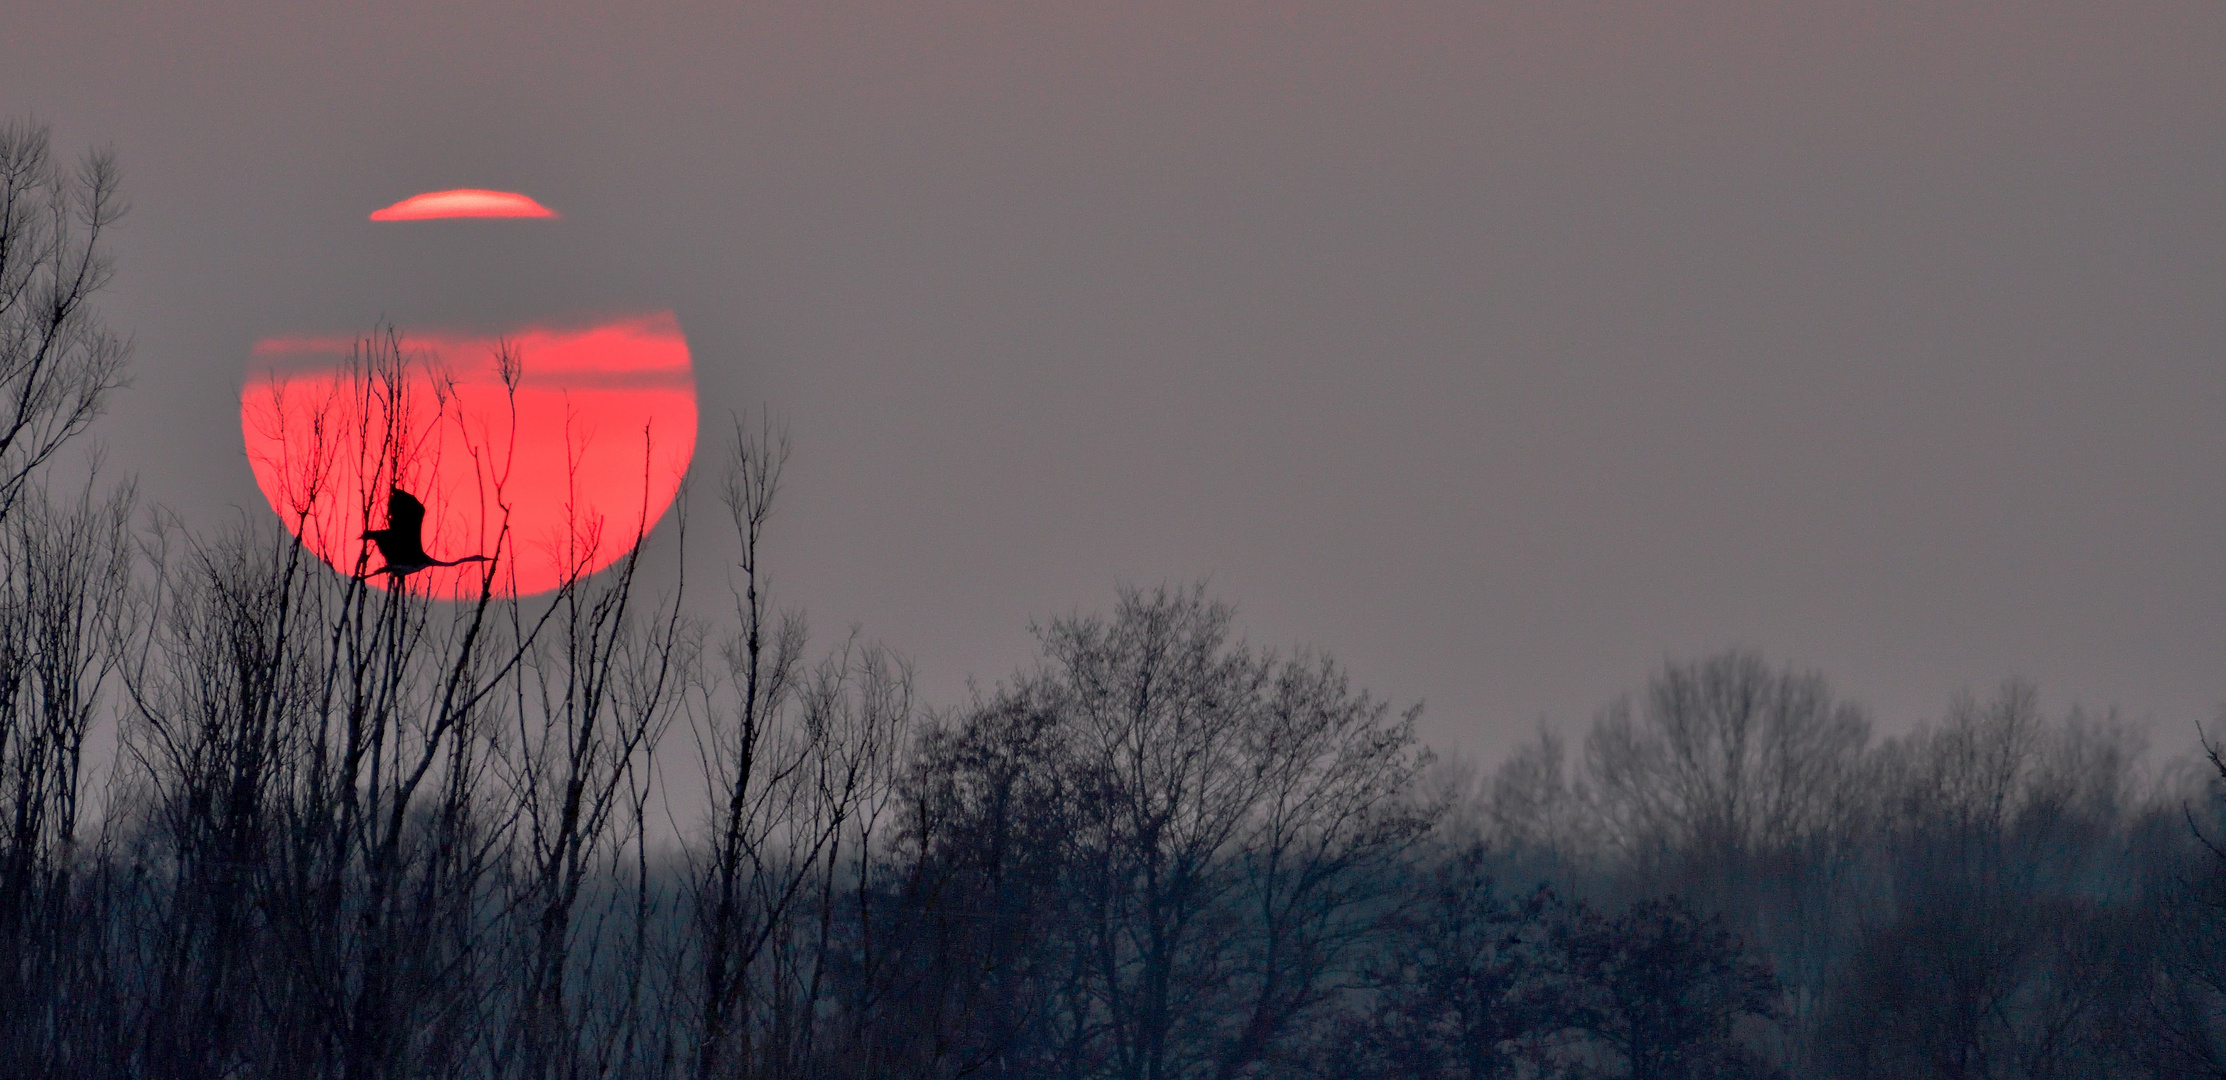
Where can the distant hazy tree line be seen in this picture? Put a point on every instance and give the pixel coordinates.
(262, 819)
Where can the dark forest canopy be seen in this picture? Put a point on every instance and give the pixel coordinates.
(356, 832)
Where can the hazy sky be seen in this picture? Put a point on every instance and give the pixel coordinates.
(1502, 349)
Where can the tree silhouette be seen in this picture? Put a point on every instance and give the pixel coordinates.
(1663, 986)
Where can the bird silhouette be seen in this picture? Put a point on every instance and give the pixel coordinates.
(403, 539)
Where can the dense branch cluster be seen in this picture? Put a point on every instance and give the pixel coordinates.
(262, 819)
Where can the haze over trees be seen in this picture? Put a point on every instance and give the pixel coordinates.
(357, 832)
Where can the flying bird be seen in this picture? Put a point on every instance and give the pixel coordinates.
(403, 540)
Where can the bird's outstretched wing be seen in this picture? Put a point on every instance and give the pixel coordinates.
(405, 516)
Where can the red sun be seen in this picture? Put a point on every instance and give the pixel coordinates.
(463, 203)
(555, 461)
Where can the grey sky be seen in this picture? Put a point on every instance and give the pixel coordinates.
(1501, 349)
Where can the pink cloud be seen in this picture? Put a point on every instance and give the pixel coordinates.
(463, 203)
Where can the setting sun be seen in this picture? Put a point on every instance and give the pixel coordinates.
(463, 203)
(553, 461)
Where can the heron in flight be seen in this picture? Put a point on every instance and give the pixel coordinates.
(403, 540)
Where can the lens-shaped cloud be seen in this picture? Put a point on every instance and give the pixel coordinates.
(463, 203)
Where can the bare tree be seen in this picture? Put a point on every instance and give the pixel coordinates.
(2009, 923)
(738, 900)
(64, 575)
(1326, 851)
(977, 904)
(1725, 756)
(800, 764)
(64, 568)
(1160, 703)
(310, 754)
(58, 362)
(594, 693)
(1465, 983)
(1663, 987)
(1534, 807)
(1231, 822)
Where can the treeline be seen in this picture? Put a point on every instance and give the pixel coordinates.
(262, 819)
